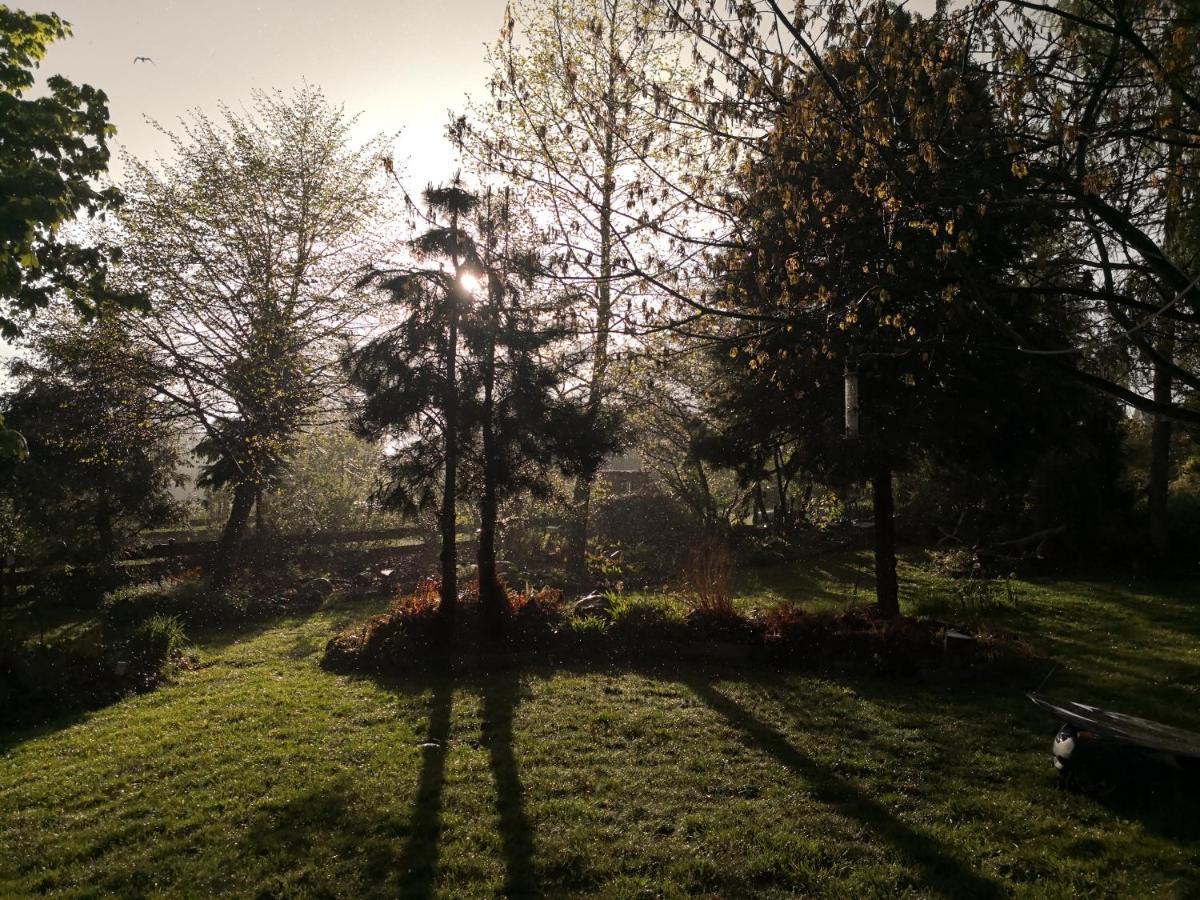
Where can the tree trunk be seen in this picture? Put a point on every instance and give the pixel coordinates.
(760, 506)
(225, 560)
(1160, 430)
(887, 588)
(1160, 467)
(577, 545)
(493, 599)
(260, 516)
(449, 523)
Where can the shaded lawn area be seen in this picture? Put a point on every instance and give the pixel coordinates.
(262, 774)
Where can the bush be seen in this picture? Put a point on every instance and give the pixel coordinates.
(653, 533)
(153, 644)
(708, 580)
(969, 600)
(40, 680)
(189, 600)
(652, 630)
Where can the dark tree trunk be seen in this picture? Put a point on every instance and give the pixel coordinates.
(1160, 430)
(887, 588)
(449, 523)
(760, 506)
(225, 561)
(260, 516)
(493, 599)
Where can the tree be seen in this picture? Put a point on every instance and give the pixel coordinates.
(571, 128)
(859, 244)
(250, 244)
(409, 375)
(1103, 100)
(330, 480)
(463, 385)
(528, 426)
(53, 148)
(102, 456)
(671, 390)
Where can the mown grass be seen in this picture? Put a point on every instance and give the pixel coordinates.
(260, 774)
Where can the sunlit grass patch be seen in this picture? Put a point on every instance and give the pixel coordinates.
(262, 774)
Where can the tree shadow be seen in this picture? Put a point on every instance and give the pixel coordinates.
(943, 873)
(501, 694)
(419, 859)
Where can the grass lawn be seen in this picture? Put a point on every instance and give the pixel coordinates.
(260, 774)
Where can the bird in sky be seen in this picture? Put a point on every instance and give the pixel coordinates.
(138, 59)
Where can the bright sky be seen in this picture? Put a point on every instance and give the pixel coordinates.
(400, 63)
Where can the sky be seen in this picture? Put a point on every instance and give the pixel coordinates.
(401, 64)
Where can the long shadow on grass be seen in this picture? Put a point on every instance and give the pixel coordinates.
(501, 694)
(419, 861)
(942, 871)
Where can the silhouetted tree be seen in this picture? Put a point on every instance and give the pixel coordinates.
(250, 243)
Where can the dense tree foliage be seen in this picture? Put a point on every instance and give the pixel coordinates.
(101, 456)
(462, 382)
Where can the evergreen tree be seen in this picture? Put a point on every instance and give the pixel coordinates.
(467, 388)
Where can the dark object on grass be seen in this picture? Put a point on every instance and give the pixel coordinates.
(1096, 749)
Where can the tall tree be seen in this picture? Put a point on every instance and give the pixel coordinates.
(571, 127)
(410, 379)
(1103, 102)
(857, 245)
(464, 387)
(528, 424)
(250, 243)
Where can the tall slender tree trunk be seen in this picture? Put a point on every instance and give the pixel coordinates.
(493, 598)
(577, 547)
(1160, 460)
(449, 523)
(760, 506)
(887, 587)
(229, 548)
(260, 515)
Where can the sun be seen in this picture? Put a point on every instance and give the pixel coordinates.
(470, 282)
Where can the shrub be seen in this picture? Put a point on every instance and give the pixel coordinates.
(389, 640)
(39, 680)
(154, 643)
(188, 599)
(969, 600)
(708, 580)
(129, 605)
(651, 531)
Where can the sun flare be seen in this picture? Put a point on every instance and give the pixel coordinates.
(471, 283)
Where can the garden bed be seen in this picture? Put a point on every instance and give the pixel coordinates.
(544, 628)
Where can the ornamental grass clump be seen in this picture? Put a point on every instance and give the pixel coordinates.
(707, 580)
